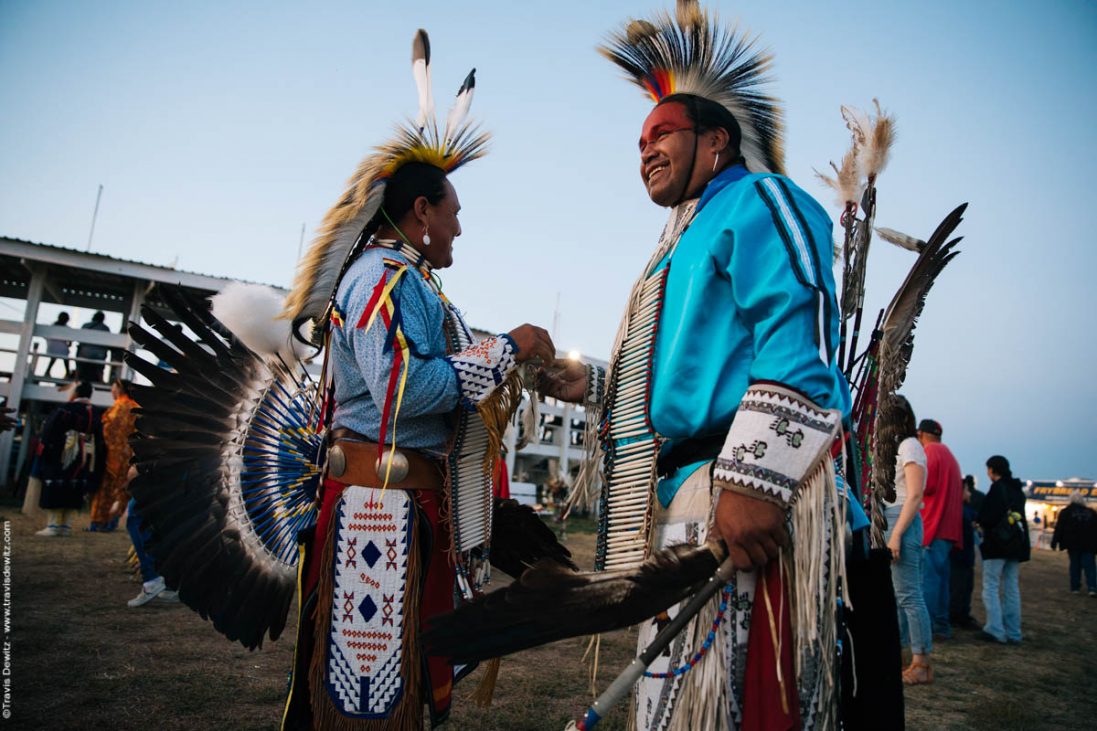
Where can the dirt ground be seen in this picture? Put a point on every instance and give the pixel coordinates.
(81, 659)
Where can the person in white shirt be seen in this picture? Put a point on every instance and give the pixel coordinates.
(904, 539)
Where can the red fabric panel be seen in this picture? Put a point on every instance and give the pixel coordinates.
(501, 480)
(437, 596)
(762, 709)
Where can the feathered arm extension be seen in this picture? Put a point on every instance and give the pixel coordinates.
(896, 344)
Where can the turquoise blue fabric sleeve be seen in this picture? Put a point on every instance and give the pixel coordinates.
(750, 297)
(783, 284)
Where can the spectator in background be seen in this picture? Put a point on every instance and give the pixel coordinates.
(58, 349)
(92, 372)
(7, 421)
(962, 568)
(942, 519)
(152, 586)
(976, 496)
(904, 540)
(1076, 533)
(70, 459)
(1005, 547)
(118, 424)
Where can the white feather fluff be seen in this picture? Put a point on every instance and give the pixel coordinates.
(251, 312)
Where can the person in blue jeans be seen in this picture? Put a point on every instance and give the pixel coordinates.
(153, 586)
(1005, 547)
(904, 540)
(1076, 533)
(942, 520)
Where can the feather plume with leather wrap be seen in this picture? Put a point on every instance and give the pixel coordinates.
(896, 344)
(226, 469)
(349, 222)
(550, 602)
(871, 138)
(691, 52)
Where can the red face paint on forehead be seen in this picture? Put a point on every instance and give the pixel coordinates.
(664, 118)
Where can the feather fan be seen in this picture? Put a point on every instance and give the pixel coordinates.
(550, 602)
(226, 469)
(896, 344)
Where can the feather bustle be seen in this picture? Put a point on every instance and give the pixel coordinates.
(202, 422)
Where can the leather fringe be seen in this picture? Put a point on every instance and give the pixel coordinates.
(486, 689)
(818, 575)
(496, 412)
(408, 714)
(703, 694)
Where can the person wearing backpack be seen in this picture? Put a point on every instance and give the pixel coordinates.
(71, 458)
(1076, 533)
(1005, 546)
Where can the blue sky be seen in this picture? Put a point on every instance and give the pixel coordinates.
(218, 128)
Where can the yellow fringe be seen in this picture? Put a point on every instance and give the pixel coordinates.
(408, 715)
(595, 644)
(484, 692)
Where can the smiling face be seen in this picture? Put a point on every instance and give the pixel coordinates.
(667, 145)
(676, 160)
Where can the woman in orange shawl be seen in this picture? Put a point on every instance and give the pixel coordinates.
(118, 425)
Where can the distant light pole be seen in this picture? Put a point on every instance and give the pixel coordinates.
(95, 215)
(301, 243)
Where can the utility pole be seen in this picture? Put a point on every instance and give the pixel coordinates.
(301, 243)
(94, 215)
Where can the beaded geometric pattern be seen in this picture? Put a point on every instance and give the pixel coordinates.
(365, 642)
(481, 367)
(775, 440)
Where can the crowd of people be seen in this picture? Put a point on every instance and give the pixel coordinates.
(83, 458)
(935, 522)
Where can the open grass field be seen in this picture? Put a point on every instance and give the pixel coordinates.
(80, 659)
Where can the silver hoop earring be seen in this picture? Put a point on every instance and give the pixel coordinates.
(716, 162)
(426, 238)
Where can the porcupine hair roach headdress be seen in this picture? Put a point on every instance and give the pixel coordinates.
(692, 53)
(355, 216)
